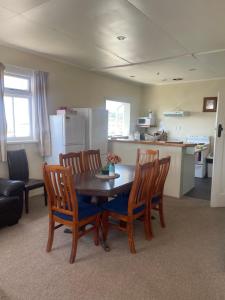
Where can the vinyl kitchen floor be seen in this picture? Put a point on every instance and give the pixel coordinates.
(202, 189)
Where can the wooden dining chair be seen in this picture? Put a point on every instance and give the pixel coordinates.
(65, 209)
(92, 160)
(73, 159)
(157, 199)
(19, 170)
(127, 208)
(146, 155)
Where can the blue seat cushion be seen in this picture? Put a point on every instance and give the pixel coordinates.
(120, 205)
(85, 210)
(84, 198)
(155, 200)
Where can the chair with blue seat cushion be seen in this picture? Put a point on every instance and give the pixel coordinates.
(66, 209)
(146, 155)
(75, 160)
(120, 205)
(84, 211)
(92, 160)
(157, 199)
(126, 208)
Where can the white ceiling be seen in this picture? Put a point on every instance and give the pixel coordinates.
(165, 39)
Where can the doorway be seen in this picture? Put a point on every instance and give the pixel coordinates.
(202, 189)
(203, 167)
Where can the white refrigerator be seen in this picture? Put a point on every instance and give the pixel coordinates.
(67, 135)
(96, 129)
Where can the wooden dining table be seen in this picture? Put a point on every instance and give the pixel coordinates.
(88, 184)
(102, 189)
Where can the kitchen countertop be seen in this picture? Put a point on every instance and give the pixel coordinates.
(159, 143)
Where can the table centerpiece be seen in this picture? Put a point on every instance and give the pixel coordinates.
(112, 159)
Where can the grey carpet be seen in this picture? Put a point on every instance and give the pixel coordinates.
(184, 261)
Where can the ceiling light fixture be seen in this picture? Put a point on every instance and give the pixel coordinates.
(177, 79)
(121, 37)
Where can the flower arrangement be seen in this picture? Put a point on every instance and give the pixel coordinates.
(109, 168)
(113, 158)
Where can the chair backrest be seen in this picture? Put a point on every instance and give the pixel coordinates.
(164, 165)
(73, 159)
(60, 188)
(143, 185)
(146, 155)
(92, 160)
(18, 165)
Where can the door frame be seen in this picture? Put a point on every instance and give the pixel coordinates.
(218, 142)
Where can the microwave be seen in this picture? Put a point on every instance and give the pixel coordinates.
(144, 121)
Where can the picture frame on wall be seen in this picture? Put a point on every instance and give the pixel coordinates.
(209, 104)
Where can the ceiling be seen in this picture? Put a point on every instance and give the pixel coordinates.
(164, 39)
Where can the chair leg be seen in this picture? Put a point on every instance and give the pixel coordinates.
(130, 231)
(148, 226)
(51, 231)
(96, 232)
(45, 196)
(27, 201)
(75, 236)
(161, 215)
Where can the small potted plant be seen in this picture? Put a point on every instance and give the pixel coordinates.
(105, 170)
(112, 159)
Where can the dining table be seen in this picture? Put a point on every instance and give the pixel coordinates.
(101, 189)
(87, 183)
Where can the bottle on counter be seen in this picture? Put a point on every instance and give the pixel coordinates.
(137, 136)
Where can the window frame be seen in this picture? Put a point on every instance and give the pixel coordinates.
(10, 92)
(128, 116)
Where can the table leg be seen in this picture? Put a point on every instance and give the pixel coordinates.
(103, 242)
(123, 224)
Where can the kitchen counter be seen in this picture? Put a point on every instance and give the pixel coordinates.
(159, 143)
(180, 179)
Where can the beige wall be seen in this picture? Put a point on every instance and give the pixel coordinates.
(70, 86)
(183, 96)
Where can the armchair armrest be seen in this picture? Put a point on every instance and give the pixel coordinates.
(11, 187)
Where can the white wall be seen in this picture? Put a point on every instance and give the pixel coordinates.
(184, 96)
(69, 86)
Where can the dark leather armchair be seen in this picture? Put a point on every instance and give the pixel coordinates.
(11, 201)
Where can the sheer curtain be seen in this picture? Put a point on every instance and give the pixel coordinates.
(42, 122)
(3, 125)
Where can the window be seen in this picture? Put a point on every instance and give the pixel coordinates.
(18, 106)
(119, 118)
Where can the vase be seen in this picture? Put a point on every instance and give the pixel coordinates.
(111, 169)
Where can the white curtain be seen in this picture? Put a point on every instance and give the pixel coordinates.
(42, 122)
(3, 125)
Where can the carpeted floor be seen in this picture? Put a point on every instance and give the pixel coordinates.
(183, 261)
